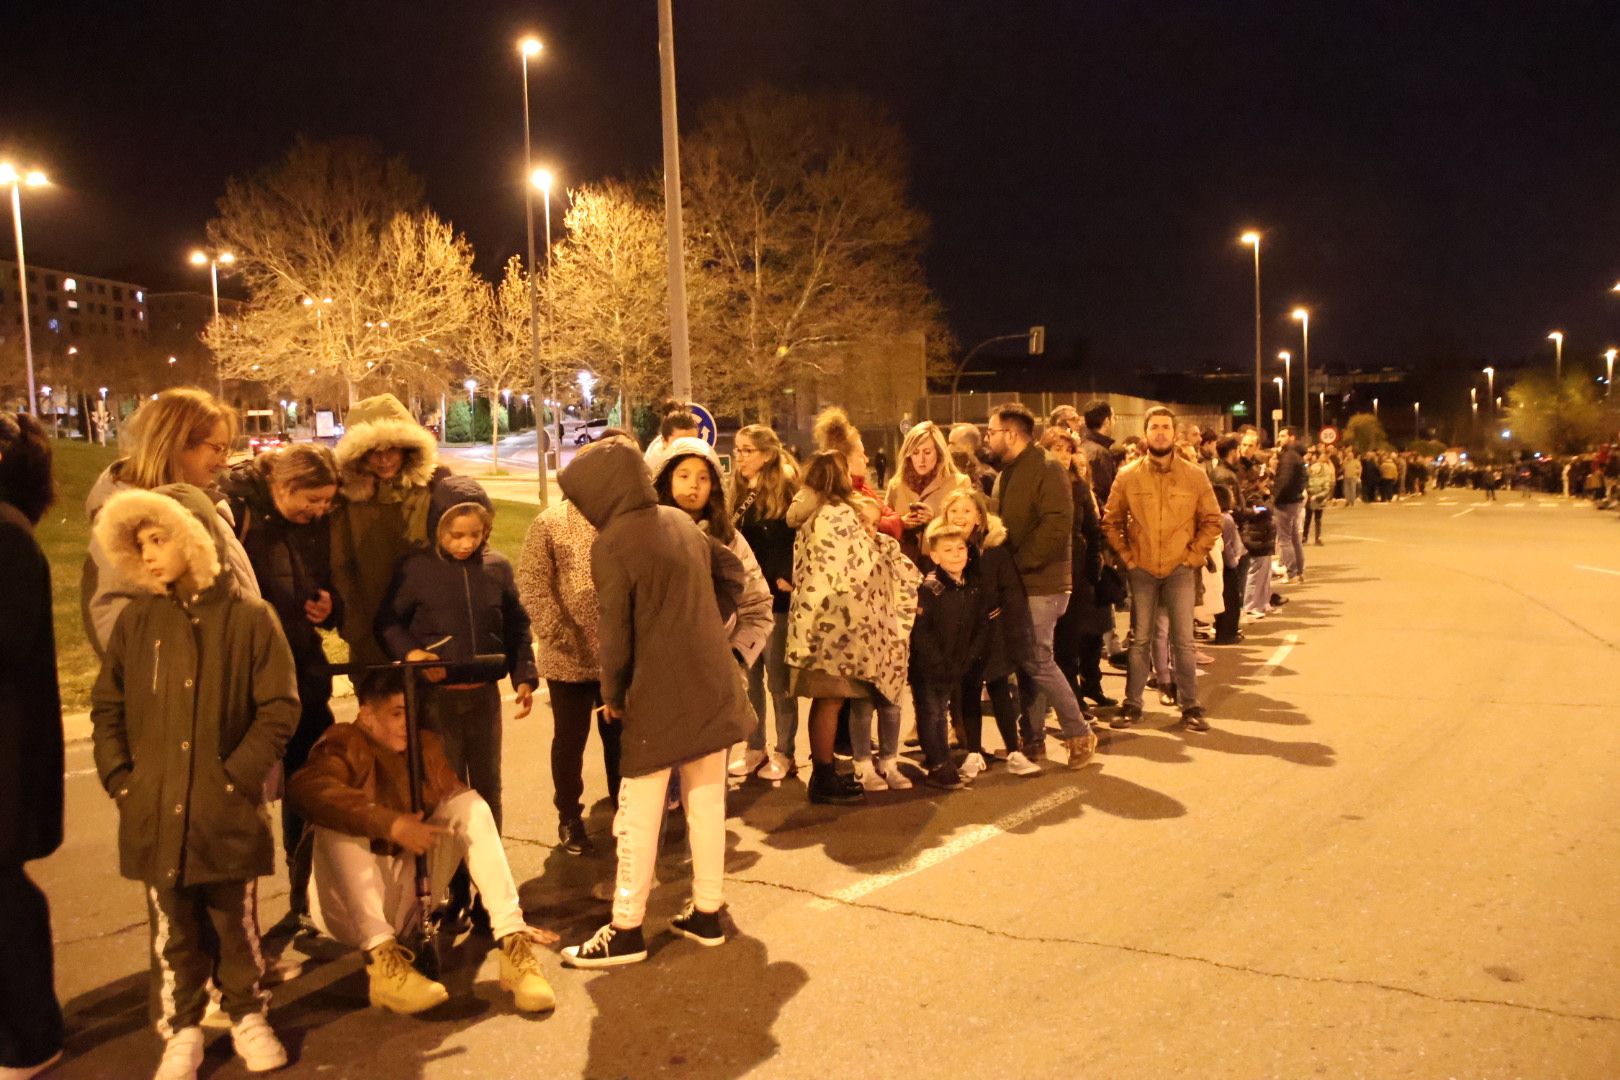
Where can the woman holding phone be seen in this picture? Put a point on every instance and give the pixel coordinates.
(927, 477)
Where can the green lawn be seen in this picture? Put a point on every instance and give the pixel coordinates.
(65, 535)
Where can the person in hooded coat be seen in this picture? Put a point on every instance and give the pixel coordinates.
(194, 705)
(30, 753)
(665, 591)
(390, 466)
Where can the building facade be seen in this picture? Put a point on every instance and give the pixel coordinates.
(65, 307)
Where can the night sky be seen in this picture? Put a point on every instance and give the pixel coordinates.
(1439, 183)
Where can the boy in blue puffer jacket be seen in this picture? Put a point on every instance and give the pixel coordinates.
(453, 603)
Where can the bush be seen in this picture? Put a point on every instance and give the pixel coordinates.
(459, 429)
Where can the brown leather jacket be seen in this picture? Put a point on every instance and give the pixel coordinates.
(354, 784)
(1160, 517)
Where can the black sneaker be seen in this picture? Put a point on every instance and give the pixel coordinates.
(1120, 660)
(1278, 599)
(1193, 720)
(944, 777)
(702, 927)
(826, 787)
(1093, 692)
(850, 784)
(608, 947)
(1127, 716)
(573, 837)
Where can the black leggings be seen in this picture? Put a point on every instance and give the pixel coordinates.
(1310, 516)
(968, 710)
(571, 705)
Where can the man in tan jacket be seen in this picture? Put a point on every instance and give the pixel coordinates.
(1163, 521)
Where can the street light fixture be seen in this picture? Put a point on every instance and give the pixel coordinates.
(1417, 420)
(18, 180)
(1288, 379)
(1252, 238)
(1303, 316)
(529, 48)
(1276, 423)
(1557, 338)
(1608, 378)
(1490, 386)
(543, 179)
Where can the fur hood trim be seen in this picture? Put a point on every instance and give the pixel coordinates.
(381, 423)
(181, 510)
(995, 533)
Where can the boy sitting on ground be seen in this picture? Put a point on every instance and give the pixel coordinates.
(355, 793)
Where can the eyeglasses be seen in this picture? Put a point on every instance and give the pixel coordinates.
(218, 448)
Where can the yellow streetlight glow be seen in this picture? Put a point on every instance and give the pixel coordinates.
(543, 179)
(36, 178)
(1251, 238)
(29, 178)
(1285, 356)
(8, 175)
(198, 258)
(1556, 335)
(226, 257)
(1300, 314)
(530, 46)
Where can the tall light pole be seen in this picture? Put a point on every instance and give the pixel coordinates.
(544, 179)
(1288, 380)
(200, 257)
(1557, 338)
(528, 49)
(680, 359)
(1304, 317)
(1490, 388)
(1252, 238)
(32, 178)
(1417, 419)
(1608, 378)
(1282, 402)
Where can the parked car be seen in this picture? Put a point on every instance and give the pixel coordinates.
(590, 431)
(260, 434)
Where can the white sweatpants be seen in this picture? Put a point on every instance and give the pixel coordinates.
(363, 899)
(637, 824)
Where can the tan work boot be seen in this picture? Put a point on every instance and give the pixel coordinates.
(1082, 749)
(396, 985)
(520, 973)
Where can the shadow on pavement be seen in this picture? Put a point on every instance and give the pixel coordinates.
(1146, 743)
(690, 1011)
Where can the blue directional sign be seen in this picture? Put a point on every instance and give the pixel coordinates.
(706, 427)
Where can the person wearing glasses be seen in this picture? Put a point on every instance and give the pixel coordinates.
(182, 436)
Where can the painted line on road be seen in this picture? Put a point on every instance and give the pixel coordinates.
(1460, 513)
(950, 849)
(1271, 665)
(1368, 539)
(71, 773)
(1598, 569)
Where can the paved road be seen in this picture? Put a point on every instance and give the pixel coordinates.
(1395, 856)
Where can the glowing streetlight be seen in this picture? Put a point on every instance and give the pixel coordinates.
(1303, 317)
(199, 257)
(543, 179)
(1288, 379)
(1375, 407)
(1252, 239)
(1417, 419)
(9, 175)
(1608, 379)
(1282, 401)
(529, 48)
(1557, 338)
(1490, 385)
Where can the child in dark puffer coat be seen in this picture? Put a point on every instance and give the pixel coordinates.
(992, 568)
(951, 633)
(452, 604)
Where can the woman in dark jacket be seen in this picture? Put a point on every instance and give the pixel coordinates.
(279, 502)
(30, 751)
(1078, 638)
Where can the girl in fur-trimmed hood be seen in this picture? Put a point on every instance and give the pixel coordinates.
(389, 465)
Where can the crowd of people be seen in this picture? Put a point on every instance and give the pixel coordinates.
(695, 620)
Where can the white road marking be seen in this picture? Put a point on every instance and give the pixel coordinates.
(1269, 668)
(965, 841)
(1598, 569)
(71, 773)
(1368, 539)
(1470, 510)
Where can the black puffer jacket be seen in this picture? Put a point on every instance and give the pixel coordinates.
(1289, 487)
(772, 542)
(473, 601)
(1012, 633)
(666, 655)
(292, 562)
(30, 709)
(952, 629)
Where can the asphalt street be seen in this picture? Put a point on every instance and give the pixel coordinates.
(1394, 856)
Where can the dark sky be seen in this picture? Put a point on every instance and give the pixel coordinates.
(1436, 181)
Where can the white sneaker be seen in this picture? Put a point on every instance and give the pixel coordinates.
(256, 1044)
(972, 766)
(1254, 614)
(181, 1055)
(870, 779)
(897, 780)
(1020, 765)
(744, 765)
(776, 767)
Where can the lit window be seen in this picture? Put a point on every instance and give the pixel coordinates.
(73, 305)
(141, 315)
(70, 285)
(54, 325)
(140, 296)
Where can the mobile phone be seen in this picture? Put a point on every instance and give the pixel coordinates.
(919, 508)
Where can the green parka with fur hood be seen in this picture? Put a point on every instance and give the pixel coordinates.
(195, 703)
(376, 525)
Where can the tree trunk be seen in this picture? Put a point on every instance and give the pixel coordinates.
(494, 433)
(348, 390)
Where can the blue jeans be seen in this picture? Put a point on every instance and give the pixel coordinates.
(1040, 667)
(931, 701)
(1290, 527)
(1175, 595)
(860, 729)
(770, 671)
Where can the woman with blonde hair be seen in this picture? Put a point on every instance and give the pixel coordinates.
(927, 476)
(182, 436)
(833, 431)
(764, 479)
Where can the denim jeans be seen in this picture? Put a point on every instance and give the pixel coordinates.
(931, 701)
(770, 672)
(1175, 596)
(1041, 668)
(1257, 593)
(860, 729)
(1290, 526)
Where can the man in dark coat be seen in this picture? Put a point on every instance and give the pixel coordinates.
(1097, 443)
(665, 590)
(30, 753)
(1288, 499)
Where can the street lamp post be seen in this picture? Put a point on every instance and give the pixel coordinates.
(1288, 380)
(544, 179)
(32, 178)
(529, 48)
(680, 360)
(1375, 408)
(1490, 387)
(1608, 378)
(1304, 317)
(1252, 238)
(202, 258)
(1417, 419)
(1282, 402)
(1557, 338)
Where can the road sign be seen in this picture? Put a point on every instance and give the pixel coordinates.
(706, 427)
(1329, 436)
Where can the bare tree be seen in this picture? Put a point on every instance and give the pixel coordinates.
(495, 347)
(351, 277)
(606, 293)
(800, 222)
